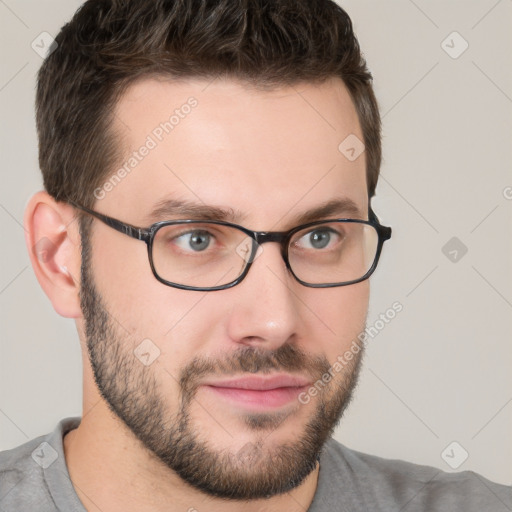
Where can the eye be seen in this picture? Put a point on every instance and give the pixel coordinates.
(319, 238)
(197, 240)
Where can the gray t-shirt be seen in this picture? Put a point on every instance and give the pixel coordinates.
(34, 477)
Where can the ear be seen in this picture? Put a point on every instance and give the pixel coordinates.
(53, 240)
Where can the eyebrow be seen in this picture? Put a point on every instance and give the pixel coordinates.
(169, 209)
(342, 207)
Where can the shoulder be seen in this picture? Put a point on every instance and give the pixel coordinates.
(385, 484)
(24, 470)
(19, 468)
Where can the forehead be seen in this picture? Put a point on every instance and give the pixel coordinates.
(268, 154)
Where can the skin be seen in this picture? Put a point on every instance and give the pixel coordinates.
(271, 155)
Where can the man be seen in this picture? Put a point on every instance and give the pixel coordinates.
(208, 169)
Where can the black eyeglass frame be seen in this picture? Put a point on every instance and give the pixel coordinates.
(260, 237)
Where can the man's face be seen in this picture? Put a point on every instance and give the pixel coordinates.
(271, 157)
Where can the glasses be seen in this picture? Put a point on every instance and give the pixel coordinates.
(215, 255)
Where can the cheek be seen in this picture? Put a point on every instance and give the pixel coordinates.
(121, 270)
(171, 325)
(341, 316)
(133, 296)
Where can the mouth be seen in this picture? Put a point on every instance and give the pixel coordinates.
(259, 392)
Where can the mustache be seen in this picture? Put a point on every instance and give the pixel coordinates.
(288, 358)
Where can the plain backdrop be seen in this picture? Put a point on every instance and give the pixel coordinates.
(436, 387)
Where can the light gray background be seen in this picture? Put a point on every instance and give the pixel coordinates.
(441, 370)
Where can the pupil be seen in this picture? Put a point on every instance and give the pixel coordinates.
(320, 239)
(199, 241)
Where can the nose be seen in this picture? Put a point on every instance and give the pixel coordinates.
(265, 310)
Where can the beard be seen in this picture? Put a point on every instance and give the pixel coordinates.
(257, 470)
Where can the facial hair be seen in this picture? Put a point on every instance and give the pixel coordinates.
(133, 393)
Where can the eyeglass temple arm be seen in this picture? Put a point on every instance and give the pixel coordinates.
(127, 229)
(384, 230)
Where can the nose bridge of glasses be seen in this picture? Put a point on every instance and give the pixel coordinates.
(270, 236)
(262, 237)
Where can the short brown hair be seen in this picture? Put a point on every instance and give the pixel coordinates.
(109, 44)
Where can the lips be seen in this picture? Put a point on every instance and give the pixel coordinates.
(259, 393)
(261, 383)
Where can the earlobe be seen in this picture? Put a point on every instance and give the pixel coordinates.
(53, 242)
